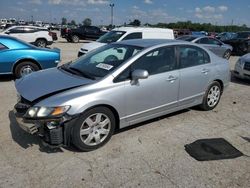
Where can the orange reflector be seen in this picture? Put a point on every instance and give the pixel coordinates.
(58, 111)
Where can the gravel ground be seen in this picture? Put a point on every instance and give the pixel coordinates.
(150, 154)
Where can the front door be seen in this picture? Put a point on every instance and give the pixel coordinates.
(157, 94)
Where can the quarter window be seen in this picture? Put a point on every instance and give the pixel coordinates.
(2, 47)
(133, 36)
(192, 56)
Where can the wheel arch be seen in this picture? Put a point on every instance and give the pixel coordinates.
(41, 38)
(23, 60)
(113, 110)
(221, 84)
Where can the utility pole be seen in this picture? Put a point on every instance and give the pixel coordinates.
(112, 14)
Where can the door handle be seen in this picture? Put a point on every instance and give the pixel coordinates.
(204, 71)
(171, 78)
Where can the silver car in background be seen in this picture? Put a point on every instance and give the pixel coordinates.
(242, 67)
(219, 48)
(115, 86)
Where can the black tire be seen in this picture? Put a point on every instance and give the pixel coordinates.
(206, 105)
(41, 43)
(79, 140)
(227, 54)
(75, 39)
(18, 72)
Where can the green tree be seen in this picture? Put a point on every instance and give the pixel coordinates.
(136, 22)
(64, 21)
(73, 22)
(87, 22)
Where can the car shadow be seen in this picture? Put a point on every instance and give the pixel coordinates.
(239, 81)
(63, 42)
(26, 140)
(6, 78)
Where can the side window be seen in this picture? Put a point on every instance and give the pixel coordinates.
(16, 30)
(192, 56)
(133, 36)
(157, 61)
(213, 41)
(2, 47)
(29, 30)
(203, 41)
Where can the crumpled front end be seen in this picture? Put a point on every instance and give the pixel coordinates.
(55, 132)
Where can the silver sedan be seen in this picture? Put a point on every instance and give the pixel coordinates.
(116, 86)
(242, 67)
(219, 48)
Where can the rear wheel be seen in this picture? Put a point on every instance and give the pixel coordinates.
(227, 54)
(212, 96)
(75, 38)
(24, 68)
(93, 129)
(41, 43)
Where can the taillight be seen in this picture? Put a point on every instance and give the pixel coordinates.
(50, 34)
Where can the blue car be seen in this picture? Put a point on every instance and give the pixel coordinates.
(20, 58)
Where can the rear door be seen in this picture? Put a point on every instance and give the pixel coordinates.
(195, 72)
(212, 44)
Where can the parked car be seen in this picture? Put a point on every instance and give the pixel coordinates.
(242, 67)
(127, 33)
(225, 36)
(115, 86)
(20, 58)
(38, 36)
(240, 43)
(216, 46)
(83, 32)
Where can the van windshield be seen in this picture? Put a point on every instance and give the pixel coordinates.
(111, 36)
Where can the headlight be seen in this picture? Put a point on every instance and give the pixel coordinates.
(41, 112)
(240, 63)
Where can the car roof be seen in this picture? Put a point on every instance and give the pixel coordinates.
(28, 26)
(127, 29)
(146, 43)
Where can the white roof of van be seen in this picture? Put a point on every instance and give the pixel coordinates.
(141, 29)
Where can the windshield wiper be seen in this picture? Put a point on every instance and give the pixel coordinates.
(84, 74)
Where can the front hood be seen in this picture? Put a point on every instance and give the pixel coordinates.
(46, 82)
(91, 46)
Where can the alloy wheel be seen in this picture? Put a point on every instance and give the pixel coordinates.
(213, 96)
(95, 129)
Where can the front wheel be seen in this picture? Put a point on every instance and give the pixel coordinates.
(212, 96)
(93, 129)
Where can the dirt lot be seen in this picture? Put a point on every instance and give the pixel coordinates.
(147, 155)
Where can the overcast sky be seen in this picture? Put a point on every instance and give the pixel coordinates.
(147, 11)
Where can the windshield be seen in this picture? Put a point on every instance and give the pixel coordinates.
(111, 36)
(102, 61)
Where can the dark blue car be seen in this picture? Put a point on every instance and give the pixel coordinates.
(20, 58)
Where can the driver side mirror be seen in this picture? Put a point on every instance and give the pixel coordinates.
(139, 74)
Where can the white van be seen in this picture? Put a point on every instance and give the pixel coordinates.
(126, 33)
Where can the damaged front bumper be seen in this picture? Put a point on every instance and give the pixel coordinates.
(53, 132)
